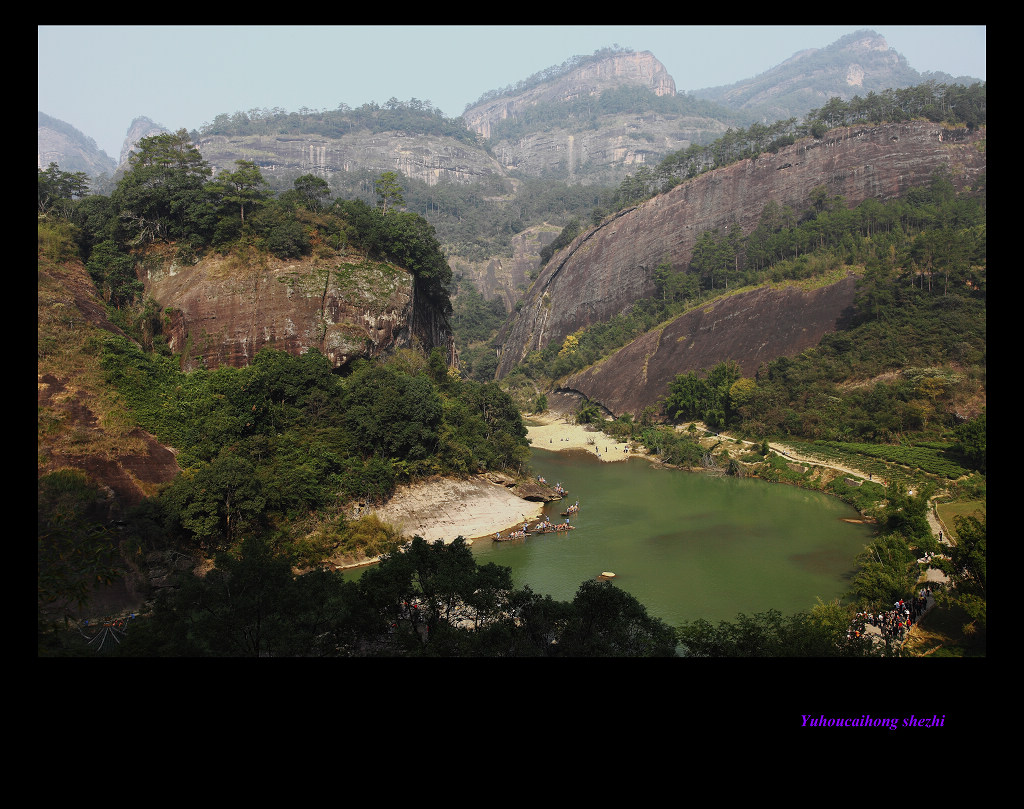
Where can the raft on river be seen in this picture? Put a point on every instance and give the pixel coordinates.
(553, 529)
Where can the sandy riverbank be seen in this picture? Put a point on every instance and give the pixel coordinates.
(555, 432)
(476, 508)
(445, 509)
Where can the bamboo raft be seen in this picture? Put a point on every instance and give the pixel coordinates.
(523, 534)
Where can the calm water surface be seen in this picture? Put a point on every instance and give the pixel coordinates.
(687, 545)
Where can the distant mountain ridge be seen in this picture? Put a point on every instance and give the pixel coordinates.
(59, 142)
(854, 65)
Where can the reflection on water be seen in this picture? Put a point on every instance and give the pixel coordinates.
(687, 545)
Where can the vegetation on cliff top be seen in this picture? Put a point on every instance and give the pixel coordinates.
(169, 195)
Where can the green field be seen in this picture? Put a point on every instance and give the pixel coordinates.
(949, 511)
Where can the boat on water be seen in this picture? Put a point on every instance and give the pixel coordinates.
(549, 528)
(555, 529)
(512, 535)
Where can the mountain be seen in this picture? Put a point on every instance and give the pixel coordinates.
(59, 142)
(141, 127)
(607, 267)
(592, 119)
(854, 65)
(567, 123)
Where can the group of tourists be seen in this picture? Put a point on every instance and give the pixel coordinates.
(893, 623)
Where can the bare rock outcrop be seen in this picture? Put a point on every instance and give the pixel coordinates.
(749, 328)
(431, 159)
(606, 268)
(587, 80)
(221, 313)
(603, 153)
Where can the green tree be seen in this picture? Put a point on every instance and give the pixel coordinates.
(971, 441)
(162, 195)
(605, 621)
(967, 568)
(388, 191)
(240, 189)
(113, 272)
(391, 414)
(312, 192)
(58, 189)
(220, 501)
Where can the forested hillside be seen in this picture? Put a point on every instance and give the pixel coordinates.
(279, 449)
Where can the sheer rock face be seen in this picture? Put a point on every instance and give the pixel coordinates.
(748, 328)
(347, 309)
(140, 128)
(420, 157)
(604, 270)
(589, 80)
(504, 277)
(621, 142)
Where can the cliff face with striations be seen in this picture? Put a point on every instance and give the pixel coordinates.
(220, 313)
(640, 69)
(608, 267)
(748, 328)
(430, 159)
(604, 152)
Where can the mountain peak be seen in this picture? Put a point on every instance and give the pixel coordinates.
(141, 127)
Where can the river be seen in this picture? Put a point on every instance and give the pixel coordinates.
(687, 545)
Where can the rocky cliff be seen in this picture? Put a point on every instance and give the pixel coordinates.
(605, 269)
(640, 69)
(508, 277)
(428, 158)
(748, 328)
(856, 64)
(223, 311)
(604, 152)
(59, 142)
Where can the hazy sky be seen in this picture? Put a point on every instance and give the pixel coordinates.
(100, 78)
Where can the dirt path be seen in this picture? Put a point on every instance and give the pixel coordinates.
(789, 453)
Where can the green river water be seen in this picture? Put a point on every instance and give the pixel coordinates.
(686, 544)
